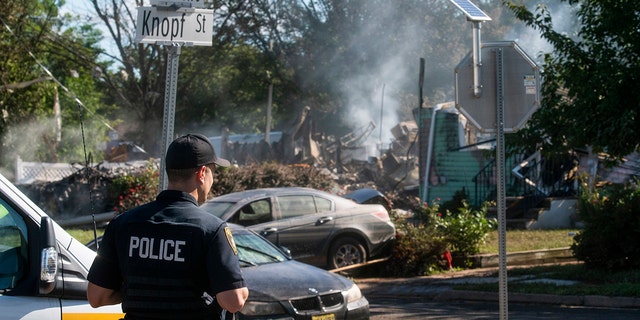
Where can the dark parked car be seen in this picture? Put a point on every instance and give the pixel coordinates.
(287, 289)
(282, 288)
(319, 228)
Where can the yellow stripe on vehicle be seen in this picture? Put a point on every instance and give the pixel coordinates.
(92, 316)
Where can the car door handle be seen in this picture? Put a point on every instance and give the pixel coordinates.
(324, 220)
(268, 231)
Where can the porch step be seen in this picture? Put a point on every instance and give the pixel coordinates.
(550, 213)
(523, 211)
(519, 224)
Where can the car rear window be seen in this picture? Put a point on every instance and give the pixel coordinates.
(296, 205)
(322, 204)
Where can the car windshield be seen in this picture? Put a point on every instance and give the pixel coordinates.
(218, 209)
(253, 250)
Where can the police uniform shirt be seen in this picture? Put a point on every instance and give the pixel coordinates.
(169, 255)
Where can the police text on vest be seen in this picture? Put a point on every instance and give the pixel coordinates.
(156, 249)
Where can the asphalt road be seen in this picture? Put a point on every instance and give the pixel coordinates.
(414, 308)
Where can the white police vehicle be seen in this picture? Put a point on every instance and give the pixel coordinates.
(43, 269)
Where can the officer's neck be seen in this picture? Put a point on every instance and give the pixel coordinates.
(188, 187)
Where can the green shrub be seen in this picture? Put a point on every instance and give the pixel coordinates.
(424, 238)
(130, 190)
(419, 244)
(611, 231)
(464, 231)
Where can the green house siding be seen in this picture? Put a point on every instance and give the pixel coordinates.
(455, 164)
(452, 168)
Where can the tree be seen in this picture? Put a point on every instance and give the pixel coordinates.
(214, 83)
(132, 81)
(590, 79)
(42, 82)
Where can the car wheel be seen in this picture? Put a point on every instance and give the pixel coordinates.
(345, 252)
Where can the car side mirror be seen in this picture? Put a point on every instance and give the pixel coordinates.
(48, 256)
(286, 252)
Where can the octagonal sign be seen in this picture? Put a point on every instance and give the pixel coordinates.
(520, 87)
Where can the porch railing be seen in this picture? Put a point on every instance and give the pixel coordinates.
(526, 176)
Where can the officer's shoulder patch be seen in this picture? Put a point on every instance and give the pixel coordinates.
(227, 232)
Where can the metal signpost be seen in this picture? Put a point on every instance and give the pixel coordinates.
(498, 95)
(511, 94)
(174, 24)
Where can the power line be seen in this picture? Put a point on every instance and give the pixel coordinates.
(53, 78)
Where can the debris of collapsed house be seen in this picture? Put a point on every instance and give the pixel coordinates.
(349, 157)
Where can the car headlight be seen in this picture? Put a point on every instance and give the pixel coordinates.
(259, 308)
(353, 294)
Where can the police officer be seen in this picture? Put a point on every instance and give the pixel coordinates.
(169, 259)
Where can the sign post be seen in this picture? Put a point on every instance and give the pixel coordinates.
(168, 119)
(174, 24)
(501, 187)
(482, 90)
(511, 95)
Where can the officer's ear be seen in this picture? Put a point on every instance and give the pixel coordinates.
(201, 174)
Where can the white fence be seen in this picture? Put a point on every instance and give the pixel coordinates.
(29, 172)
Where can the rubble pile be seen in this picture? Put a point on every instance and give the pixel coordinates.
(394, 171)
(351, 158)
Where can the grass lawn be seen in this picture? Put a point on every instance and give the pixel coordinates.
(624, 283)
(525, 240)
(83, 235)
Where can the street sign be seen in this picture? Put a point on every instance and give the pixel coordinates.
(184, 26)
(521, 78)
(179, 3)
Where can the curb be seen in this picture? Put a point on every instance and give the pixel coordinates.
(440, 287)
(576, 301)
(438, 292)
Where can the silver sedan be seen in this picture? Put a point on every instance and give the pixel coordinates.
(318, 227)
